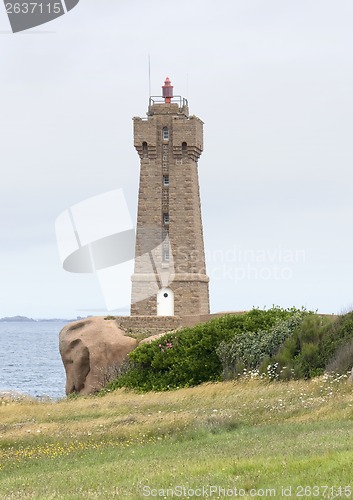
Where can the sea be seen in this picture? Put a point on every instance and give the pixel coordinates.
(30, 361)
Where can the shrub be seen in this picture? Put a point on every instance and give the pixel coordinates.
(342, 361)
(188, 357)
(282, 343)
(250, 350)
(319, 343)
(299, 356)
(340, 332)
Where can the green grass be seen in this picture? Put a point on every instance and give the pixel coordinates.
(248, 434)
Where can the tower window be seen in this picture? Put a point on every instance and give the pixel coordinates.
(184, 147)
(165, 180)
(144, 149)
(166, 256)
(165, 218)
(165, 134)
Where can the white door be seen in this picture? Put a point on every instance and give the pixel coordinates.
(165, 302)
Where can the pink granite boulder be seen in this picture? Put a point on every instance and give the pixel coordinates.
(90, 349)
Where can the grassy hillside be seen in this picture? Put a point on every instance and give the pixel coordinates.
(247, 434)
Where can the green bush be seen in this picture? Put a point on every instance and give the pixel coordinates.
(339, 333)
(342, 361)
(320, 343)
(299, 355)
(282, 343)
(337, 347)
(189, 357)
(249, 350)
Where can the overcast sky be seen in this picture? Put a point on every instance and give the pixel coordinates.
(271, 79)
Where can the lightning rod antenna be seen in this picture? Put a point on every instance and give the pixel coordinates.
(149, 75)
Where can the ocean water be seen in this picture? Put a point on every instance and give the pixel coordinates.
(30, 361)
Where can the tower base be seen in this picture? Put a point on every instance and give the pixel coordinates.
(191, 295)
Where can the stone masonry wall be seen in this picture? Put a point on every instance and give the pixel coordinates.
(177, 159)
(163, 324)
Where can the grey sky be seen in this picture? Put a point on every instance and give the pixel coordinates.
(273, 82)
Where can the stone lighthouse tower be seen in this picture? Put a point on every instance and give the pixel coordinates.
(170, 276)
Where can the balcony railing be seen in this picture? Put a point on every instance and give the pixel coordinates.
(181, 101)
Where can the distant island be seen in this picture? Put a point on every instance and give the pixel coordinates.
(17, 318)
(24, 319)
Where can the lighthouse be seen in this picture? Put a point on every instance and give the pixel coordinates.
(170, 274)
